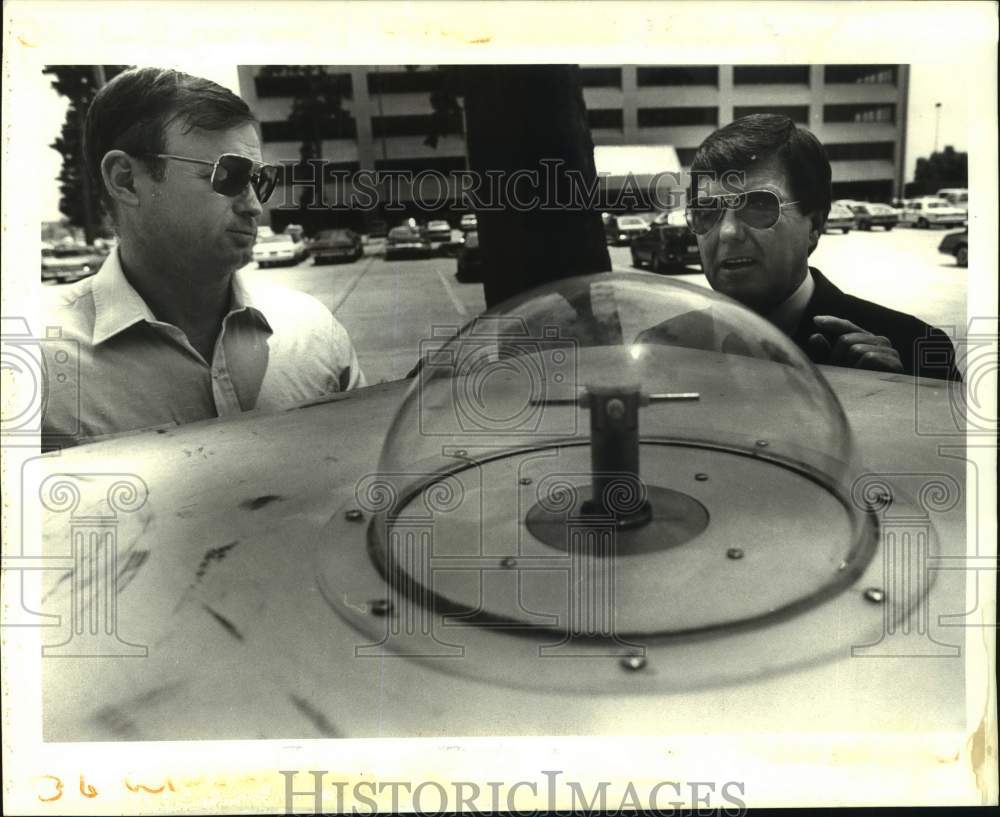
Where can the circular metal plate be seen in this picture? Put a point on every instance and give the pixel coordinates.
(528, 613)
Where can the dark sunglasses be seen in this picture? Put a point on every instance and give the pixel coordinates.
(758, 209)
(232, 173)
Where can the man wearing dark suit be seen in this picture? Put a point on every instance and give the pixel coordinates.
(760, 196)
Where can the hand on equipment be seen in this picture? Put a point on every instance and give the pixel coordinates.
(840, 342)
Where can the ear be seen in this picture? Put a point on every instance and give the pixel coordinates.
(118, 171)
(817, 223)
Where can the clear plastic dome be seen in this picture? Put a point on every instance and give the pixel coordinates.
(498, 384)
(673, 454)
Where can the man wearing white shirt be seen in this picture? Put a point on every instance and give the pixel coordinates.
(168, 331)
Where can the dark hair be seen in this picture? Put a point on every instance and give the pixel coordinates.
(132, 113)
(763, 136)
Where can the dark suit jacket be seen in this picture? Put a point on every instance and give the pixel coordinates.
(923, 350)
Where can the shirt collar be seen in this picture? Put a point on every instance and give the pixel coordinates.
(117, 305)
(786, 315)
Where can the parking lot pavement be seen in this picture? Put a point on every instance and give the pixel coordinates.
(390, 308)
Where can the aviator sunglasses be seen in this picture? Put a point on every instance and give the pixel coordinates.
(758, 209)
(232, 173)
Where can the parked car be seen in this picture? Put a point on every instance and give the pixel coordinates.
(666, 247)
(470, 260)
(840, 218)
(868, 215)
(336, 245)
(469, 222)
(620, 230)
(955, 196)
(437, 232)
(930, 211)
(406, 242)
(278, 250)
(956, 244)
(66, 263)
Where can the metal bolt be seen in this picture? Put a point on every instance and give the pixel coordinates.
(842, 565)
(354, 515)
(735, 553)
(380, 607)
(874, 595)
(461, 452)
(762, 443)
(633, 663)
(615, 409)
(701, 477)
(526, 480)
(508, 561)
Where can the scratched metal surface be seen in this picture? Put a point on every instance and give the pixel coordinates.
(217, 579)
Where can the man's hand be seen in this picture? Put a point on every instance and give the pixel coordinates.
(845, 344)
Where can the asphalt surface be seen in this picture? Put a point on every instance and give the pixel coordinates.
(391, 308)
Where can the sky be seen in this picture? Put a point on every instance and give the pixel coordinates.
(929, 84)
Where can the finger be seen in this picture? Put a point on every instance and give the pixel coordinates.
(819, 348)
(830, 325)
(844, 346)
(881, 360)
(855, 353)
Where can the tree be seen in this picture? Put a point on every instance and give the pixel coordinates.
(79, 200)
(946, 169)
(317, 113)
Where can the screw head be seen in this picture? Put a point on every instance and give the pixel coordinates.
(701, 477)
(615, 408)
(762, 443)
(461, 452)
(508, 561)
(734, 553)
(354, 515)
(380, 607)
(526, 480)
(875, 595)
(633, 663)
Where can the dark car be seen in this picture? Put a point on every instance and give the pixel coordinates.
(620, 230)
(406, 242)
(336, 245)
(666, 247)
(64, 264)
(867, 216)
(470, 260)
(956, 244)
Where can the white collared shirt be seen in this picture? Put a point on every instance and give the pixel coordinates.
(121, 369)
(787, 315)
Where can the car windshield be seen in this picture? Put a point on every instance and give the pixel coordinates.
(936, 205)
(438, 225)
(275, 239)
(631, 221)
(401, 232)
(881, 209)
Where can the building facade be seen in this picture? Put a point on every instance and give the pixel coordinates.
(857, 111)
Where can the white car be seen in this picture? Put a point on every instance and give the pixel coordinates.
(931, 211)
(468, 222)
(278, 250)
